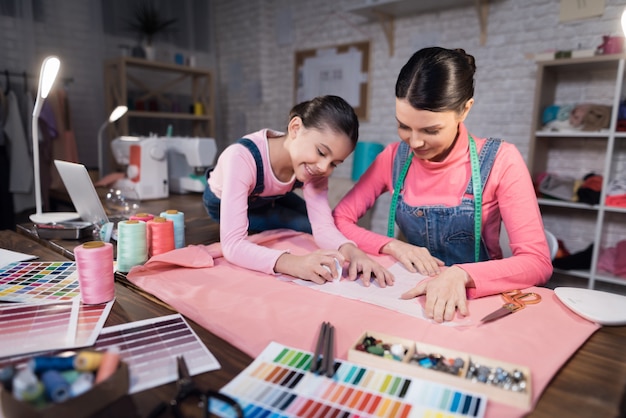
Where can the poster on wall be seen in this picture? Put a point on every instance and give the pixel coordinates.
(340, 70)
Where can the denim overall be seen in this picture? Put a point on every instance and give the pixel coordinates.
(264, 212)
(447, 232)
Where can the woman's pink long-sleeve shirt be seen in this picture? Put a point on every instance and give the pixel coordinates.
(233, 180)
(508, 196)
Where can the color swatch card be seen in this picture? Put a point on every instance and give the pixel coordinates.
(150, 348)
(278, 383)
(50, 326)
(10, 257)
(39, 281)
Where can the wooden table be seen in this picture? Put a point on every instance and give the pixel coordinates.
(591, 384)
(131, 306)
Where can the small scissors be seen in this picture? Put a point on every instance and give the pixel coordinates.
(515, 301)
(189, 397)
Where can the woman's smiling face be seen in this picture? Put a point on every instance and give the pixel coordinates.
(429, 134)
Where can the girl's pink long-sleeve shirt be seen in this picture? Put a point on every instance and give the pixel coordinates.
(508, 196)
(233, 180)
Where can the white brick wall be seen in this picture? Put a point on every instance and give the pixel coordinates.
(255, 72)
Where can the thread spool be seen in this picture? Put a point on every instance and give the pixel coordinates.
(87, 361)
(82, 384)
(160, 235)
(44, 363)
(94, 264)
(142, 216)
(179, 226)
(26, 386)
(57, 388)
(132, 244)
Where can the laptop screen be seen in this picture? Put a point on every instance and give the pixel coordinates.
(82, 192)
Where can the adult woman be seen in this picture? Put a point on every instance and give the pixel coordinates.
(432, 174)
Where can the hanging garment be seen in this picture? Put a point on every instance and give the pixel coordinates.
(21, 172)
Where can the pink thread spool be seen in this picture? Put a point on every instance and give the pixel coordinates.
(160, 235)
(94, 264)
(142, 217)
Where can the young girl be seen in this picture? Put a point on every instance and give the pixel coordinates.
(451, 191)
(251, 188)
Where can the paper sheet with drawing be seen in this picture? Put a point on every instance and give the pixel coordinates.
(387, 297)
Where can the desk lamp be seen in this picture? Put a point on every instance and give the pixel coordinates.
(49, 71)
(117, 113)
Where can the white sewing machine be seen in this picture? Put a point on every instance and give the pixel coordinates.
(188, 158)
(158, 165)
(146, 166)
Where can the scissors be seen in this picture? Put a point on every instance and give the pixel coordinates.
(515, 301)
(189, 400)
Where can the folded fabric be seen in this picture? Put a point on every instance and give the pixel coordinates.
(250, 309)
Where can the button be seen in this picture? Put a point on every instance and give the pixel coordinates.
(420, 213)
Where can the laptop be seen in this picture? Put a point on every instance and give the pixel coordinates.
(82, 192)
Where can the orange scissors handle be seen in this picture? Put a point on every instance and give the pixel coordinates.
(516, 300)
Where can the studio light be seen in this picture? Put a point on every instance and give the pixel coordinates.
(49, 71)
(117, 113)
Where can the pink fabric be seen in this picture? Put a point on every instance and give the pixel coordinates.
(233, 180)
(250, 309)
(508, 195)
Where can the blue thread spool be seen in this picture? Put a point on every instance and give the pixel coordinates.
(364, 155)
(179, 226)
(57, 388)
(44, 363)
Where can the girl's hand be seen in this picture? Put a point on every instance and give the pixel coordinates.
(415, 259)
(312, 266)
(363, 264)
(445, 294)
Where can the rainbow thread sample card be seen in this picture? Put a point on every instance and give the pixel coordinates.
(39, 281)
(278, 384)
(150, 348)
(50, 326)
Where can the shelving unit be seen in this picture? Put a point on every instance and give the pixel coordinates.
(159, 94)
(598, 80)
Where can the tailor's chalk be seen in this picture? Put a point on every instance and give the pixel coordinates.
(7, 373)
(44, 363)
(108, 365)
(57, 388)
(87, 361)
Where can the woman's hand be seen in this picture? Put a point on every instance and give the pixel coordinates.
(415, 259)
(312, 266)
(369, 269)
(445, 294)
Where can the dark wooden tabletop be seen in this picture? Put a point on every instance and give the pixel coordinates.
(591, 384)
(131, 306)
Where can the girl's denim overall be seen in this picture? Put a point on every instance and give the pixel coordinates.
(265, 212)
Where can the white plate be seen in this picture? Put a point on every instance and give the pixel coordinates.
(603, 308)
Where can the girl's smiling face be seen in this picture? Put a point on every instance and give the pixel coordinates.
(316, 152)
(429, 134)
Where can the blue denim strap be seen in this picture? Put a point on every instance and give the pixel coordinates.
(254, 150)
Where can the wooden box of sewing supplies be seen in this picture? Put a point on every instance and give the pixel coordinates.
(500, 381)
